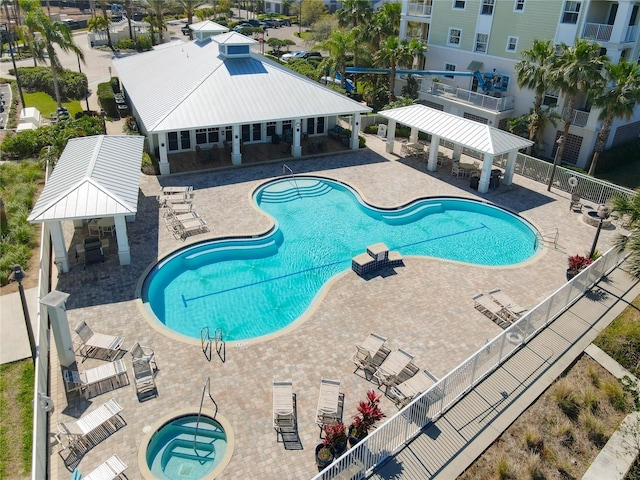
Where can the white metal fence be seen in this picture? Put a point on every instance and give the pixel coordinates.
(391, 436)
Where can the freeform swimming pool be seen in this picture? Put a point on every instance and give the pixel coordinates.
(254, 287)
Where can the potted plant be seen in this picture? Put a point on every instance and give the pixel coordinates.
(368, 414)
(335, 435)
(324, 455)
(576, 264)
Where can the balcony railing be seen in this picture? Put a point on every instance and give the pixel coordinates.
(580, 117)
(632, 34)
(496, 104)
(597, 31)
(419, 9)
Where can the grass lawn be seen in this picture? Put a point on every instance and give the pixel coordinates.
(47, 105)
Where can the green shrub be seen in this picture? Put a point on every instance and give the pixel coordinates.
(115, 84)
(362, 142)
(614, 392)
(589, 399)
(73, 85)
(126, 44)
(143, 43)
(148, 165)
(107, 99)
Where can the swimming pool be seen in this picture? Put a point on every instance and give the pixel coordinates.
(254, 287)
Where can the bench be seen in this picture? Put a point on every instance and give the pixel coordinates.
(377, 256)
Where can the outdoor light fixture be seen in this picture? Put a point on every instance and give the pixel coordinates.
(560, 141)
(17, 275)
(603, 213)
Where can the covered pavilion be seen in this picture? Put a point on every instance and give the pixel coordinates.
(489, 141)
(96, 177)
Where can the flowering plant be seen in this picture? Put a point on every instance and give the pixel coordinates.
(578, 262)
(335, 437)
(368, 414)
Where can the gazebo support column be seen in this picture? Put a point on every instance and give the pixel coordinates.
(60, 254)
(124, 254)
(164, 158)
(391, 136)
(487, 165)
(296, 148)
(457, 152)
(413, 136)
(511, 168)
(355, 130)
(432, 164)
(236, 155)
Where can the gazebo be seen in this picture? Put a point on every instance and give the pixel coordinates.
(462, 132)
(96, 177)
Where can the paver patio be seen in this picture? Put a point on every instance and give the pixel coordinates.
(424, 307)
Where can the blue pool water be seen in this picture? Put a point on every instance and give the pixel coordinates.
(254, 287)
(171, 454)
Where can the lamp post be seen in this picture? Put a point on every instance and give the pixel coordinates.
(560, 141)
(17, 275)
(603, 213)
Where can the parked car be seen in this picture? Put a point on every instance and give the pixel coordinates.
(242, 26)
(271, 23)
(255, 23)
(293, 55)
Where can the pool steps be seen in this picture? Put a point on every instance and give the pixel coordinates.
(410, 214)
(302, 189)
(184, 449)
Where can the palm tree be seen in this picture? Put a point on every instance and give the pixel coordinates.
(354, 13)
(53, 33)
(103, 6)
(96, 24)
(396, 53)
(579, 67)
(617, 100)
(158, 7)
(339, 45)
(127, 9)
(629, 208)
(534, 71)
(189, 7)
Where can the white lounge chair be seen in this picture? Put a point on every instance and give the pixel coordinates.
(168, 189)
(367, 352)
(94, 425)
(283, 410)
(90, 343)
(112, 468)
(506, 302)
(387, 374)
(138, 352)
(328, 403)
(406, 391)
(492, 310)
(195, 225)
(144, 380)
(115, 373)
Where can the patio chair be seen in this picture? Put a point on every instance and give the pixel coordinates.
(95, 425)
(90, 343)
(506, 302)
(492, 310)
(456, 170)
(403, 393)
(138, 352)
(112, 468)
(366, 352)
(113, 373)
(144, 380)
(576, 204)
(185, 228)
(387, 373)
(174, 221)
(168, 189)
(328, 403)
(283, 410)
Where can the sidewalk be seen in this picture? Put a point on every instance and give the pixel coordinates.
(14, 342)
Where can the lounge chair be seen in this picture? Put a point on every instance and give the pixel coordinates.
(387, 374)
(174, 222)
(366, 352)
(506, 302)
(94, 425)
(283, 410)
(138, 352)
(576, 204)
(492, 310)
(328, 403)
(168, 190)
(403, 393)
(144, 379)
(184, 229)
(112, 468)
(113, 373)
(100, 345)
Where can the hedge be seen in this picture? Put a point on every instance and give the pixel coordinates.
(73, 85)
(107, 99)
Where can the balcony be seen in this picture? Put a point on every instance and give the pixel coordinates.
(487, 102)
(419, 9)
(580, 117)
(632, 34)
(597, 31)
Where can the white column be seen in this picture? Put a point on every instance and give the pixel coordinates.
(236, 154)
(413, 136)
(487, 165)
(124, 253)
(511, 168)
(355, 130)
(164, 158)
(391, 136)
(457, 152)
(296, 148)
(432, 163)
(55, 303)
(621, 24)
(60, 254)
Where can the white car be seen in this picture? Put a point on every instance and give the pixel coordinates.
(288, 56)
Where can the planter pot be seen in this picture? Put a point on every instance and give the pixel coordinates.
(322, 462)
(339, 450)
(571, 274)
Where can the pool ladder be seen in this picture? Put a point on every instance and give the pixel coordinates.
(206, 342)
(205, 389)
(286, 168)
(548, 237)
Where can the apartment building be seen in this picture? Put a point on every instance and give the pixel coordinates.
(476, 44)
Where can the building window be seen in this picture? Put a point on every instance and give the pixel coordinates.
(550, 98)
(512, 44)
(213, 134)
(201, 136)
(207, 135)
(519, 6)
(487, 7)
(185, 140)
(320, 125)
(173, 141)
(571, 12)
(311, 125)
(246, 133)
(449, 67)
(271, 129)
(228, 134)
(482, 39)
(458, 4)
(454, 36)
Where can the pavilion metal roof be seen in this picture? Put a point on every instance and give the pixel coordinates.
(465, 132)
(95, 177)
(190, 85)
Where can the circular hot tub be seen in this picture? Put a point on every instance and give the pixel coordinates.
(590, 217)
(185, 446)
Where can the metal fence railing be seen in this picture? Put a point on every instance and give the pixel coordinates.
(391, 436)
